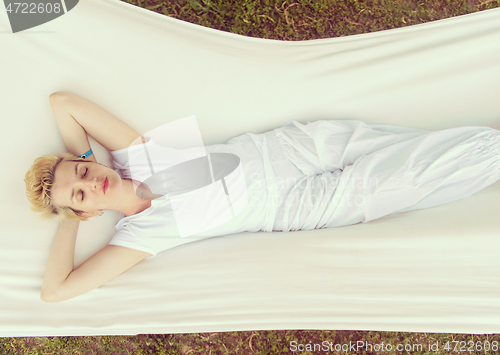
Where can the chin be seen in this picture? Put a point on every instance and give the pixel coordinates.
(115, 183)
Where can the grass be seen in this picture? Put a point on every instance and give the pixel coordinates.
(261, 342)
(311, 19)
(284, 20)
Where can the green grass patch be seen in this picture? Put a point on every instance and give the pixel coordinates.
(311, 19)
(259, 342)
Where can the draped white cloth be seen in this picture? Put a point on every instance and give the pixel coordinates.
(354, 172)
(434, 270)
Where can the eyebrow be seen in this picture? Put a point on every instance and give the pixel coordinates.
(73, 191)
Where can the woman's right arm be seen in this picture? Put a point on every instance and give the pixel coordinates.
(73, 134)
(76, 117)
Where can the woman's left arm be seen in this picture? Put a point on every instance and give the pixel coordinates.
(61, 282)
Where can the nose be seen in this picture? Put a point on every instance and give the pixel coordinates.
(91, 184)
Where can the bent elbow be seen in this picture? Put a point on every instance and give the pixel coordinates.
(44, 296)
(57, 96)
(49, 297)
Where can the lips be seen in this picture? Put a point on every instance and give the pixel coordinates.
(105, 185)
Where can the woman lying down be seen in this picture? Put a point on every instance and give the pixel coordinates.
(300, 176)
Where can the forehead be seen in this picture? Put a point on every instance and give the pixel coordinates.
(63, 170)
(64, 175)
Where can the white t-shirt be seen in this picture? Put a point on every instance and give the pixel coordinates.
(156, 229)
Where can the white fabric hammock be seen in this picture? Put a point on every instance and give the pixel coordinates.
(433, 270)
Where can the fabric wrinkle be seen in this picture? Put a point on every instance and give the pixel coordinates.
(285, 173)
(382, 170)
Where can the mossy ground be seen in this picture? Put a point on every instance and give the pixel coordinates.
(283, 20)
(258, 342)
(311, 19)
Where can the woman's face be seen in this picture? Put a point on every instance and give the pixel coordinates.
(85, 186)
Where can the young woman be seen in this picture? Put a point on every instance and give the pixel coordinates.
(300, 176)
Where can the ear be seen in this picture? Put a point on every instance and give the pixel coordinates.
(89, 215)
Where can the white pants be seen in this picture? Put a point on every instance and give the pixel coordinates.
(342, 172)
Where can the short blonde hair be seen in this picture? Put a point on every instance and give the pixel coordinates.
(39, 181)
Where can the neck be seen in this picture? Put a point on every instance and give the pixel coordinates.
(128, 202)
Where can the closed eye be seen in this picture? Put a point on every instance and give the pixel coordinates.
(86, 169)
